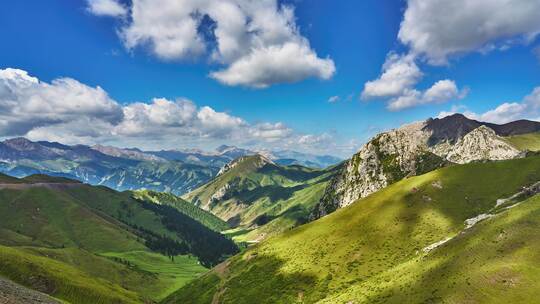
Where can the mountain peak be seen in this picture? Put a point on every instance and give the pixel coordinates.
(254, 162)
(20, 143)
(449, 128)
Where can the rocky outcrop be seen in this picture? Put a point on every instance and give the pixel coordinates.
(257, 161)
(412, 150)
(480, 144)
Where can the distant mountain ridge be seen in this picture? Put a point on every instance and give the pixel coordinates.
(418, 148)
(175, 171)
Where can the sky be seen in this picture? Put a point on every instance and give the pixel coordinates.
(316, 76)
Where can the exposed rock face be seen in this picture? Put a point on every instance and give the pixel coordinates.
(480, 144)
(412, 150)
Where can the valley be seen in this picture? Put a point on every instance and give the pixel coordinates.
(412, 209)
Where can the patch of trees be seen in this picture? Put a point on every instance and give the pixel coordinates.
(208, 246)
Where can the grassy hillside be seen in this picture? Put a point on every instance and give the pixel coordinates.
(85, 244)
(204, 217)
(373, 250)
(530, 141)
(259, 198)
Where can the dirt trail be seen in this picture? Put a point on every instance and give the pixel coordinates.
(12, 293)
(522, 195)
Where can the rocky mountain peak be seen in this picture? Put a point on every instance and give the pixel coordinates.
(256, 161)
(449, 128)
(21, 144)
(415, 149)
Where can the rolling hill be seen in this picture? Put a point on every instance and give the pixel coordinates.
(260, 198)
(461, 234)
(86, 244)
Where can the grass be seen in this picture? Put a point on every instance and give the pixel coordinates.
(530, 141)
(371, 251)
(263, 200)
(64, 281)
(171, 274)
(74, 243)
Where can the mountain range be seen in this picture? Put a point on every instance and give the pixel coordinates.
(175, 171)
(439, 211)
(421, 147)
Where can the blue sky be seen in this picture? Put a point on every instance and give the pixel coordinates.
(65, 38)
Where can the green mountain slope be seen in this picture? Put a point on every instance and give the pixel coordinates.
(529, 141)
(377, 250)
(204, 217)
(86, 244)
(260, 198)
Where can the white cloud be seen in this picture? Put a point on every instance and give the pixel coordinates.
(528, 108)
(258, 42)
(438, 29)
(26, 103)
(399, 73)
(70, 112)
(399, 76)
(271, 132)
(106, 8)
(286, 63)
(334, 99)
(442, 91)
(435, 30)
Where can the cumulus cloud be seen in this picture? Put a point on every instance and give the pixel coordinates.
(257, 42)
(286, 63)
(399, 74)
(438, 29)
(528, 108)
(27, 103)
(271, 132)
(435, 30)
(68, 111)
(441, 92)
(110, 8)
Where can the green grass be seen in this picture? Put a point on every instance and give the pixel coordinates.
(78, 243)
(35, 269)
(51, 218)
(263, 201)
(5, 179)
(371, 251)
(530, 141)
(172, 274)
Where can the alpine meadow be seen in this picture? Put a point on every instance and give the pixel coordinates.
(270, 152)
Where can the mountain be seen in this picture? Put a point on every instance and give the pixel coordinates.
(225, 154)
(87, 244)
(260, 198)
(287, 158)
(416, 149)
(120, 169)
(133, 153)
(175, 171)
(461, 234)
